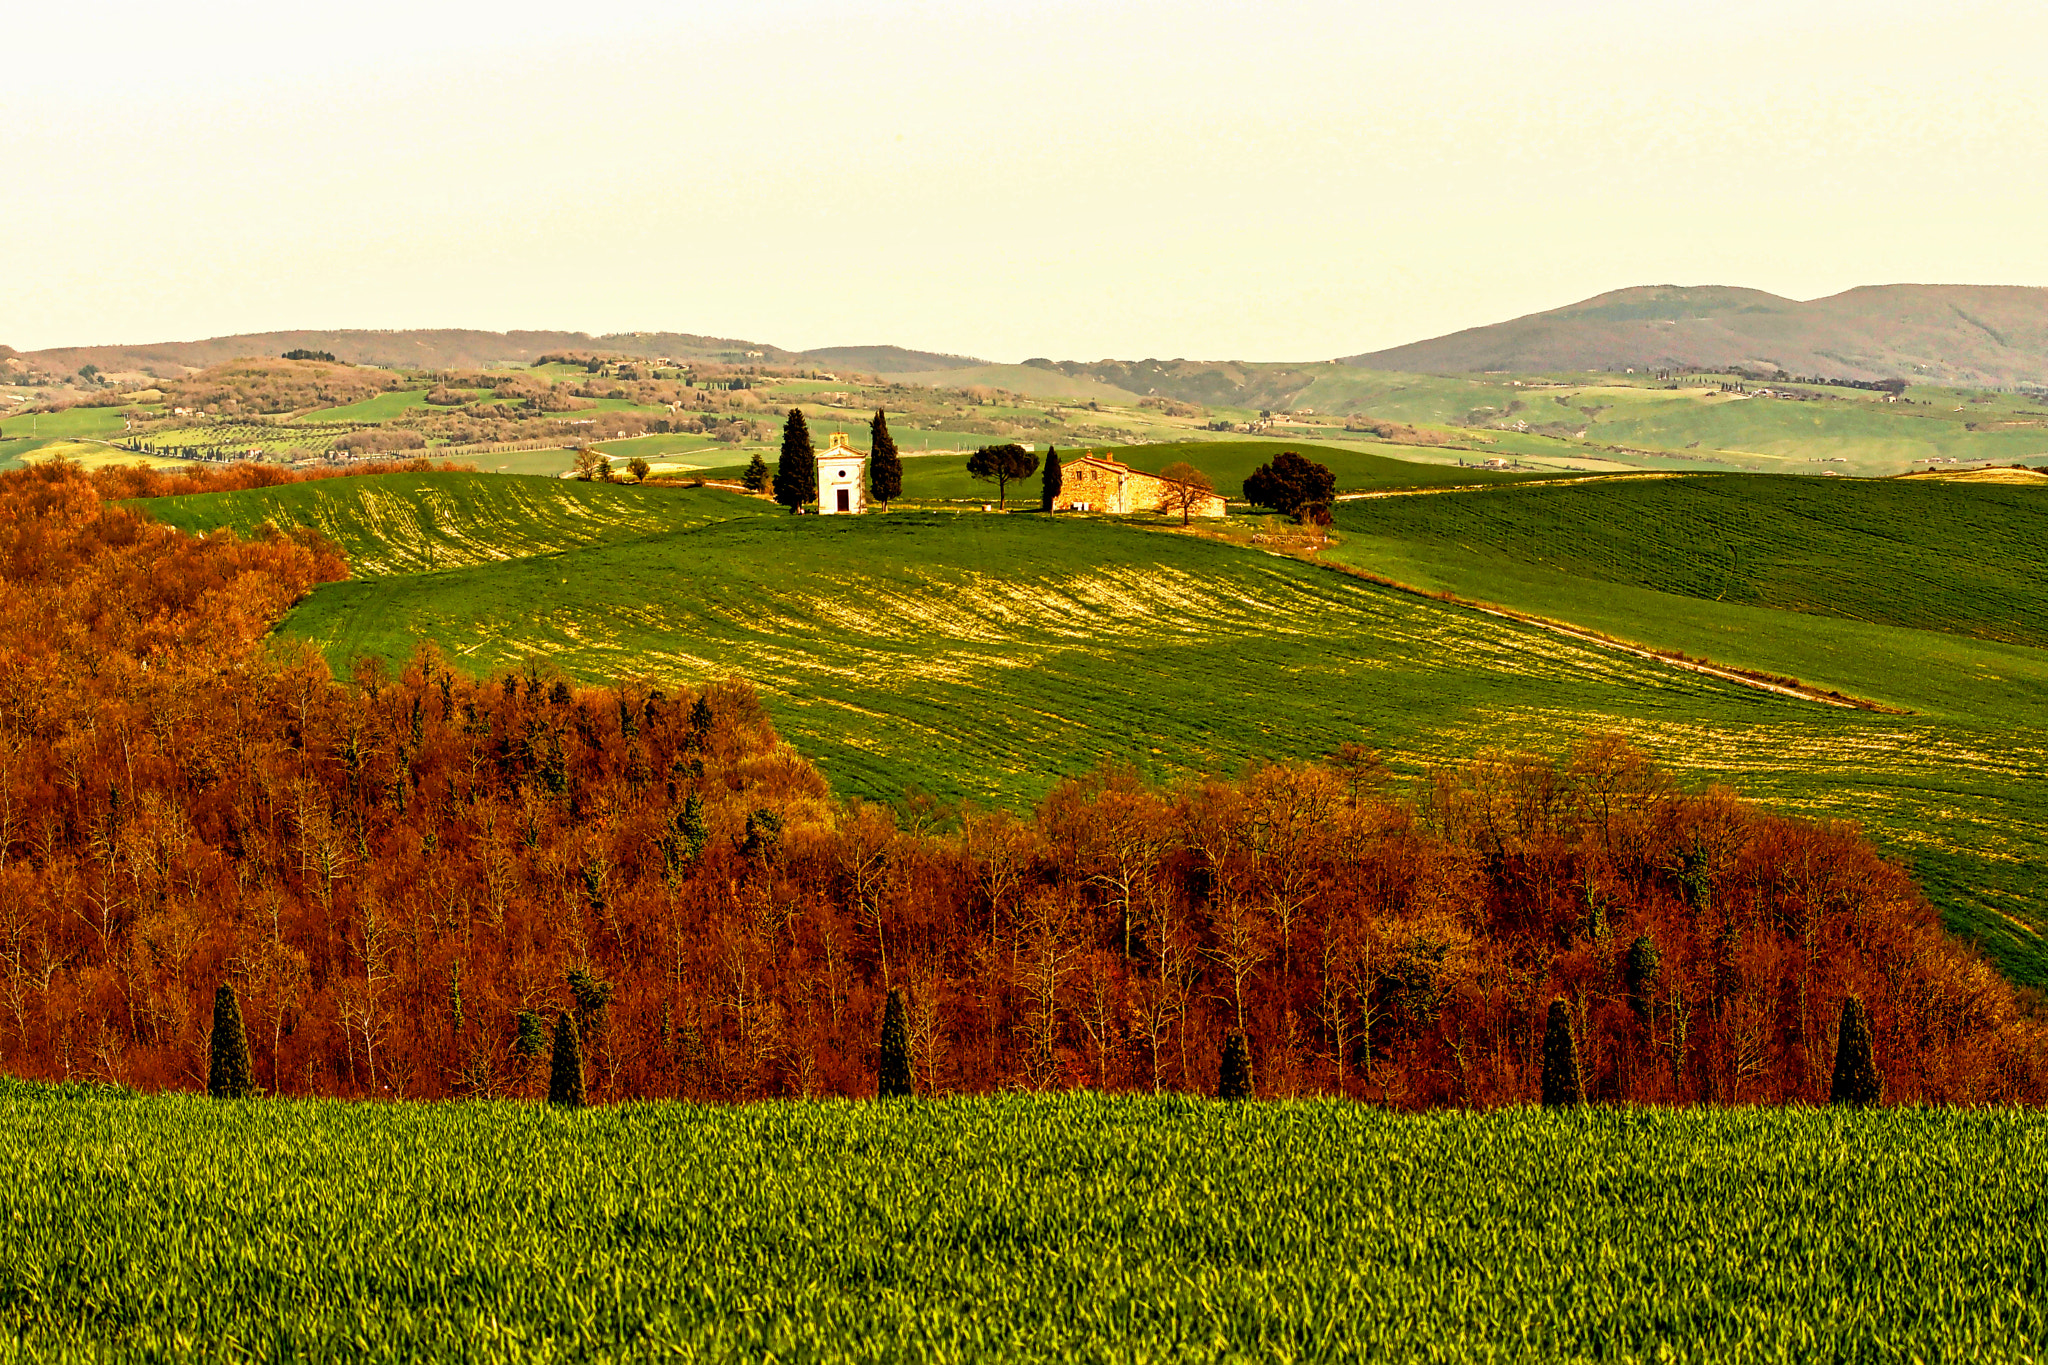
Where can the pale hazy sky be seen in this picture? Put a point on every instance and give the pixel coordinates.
(1255, 181)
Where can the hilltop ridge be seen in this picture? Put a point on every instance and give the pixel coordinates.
(1949, 334)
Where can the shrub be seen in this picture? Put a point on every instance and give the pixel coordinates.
(1234, 1075)
(1563, 1083)
(227, 1069)
(892, 1072)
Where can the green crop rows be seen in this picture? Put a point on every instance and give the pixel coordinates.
(415, 523)
(1016, 1228)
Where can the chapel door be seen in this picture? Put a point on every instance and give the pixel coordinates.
(845, 500)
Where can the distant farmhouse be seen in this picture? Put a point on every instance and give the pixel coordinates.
(842, 478)
(1096, 483)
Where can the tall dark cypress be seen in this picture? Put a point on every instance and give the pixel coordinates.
(1564, 1084)
(565, 1076)
(1234, 1076)
(892, 1073)
(1049, 479)
(1856, 1080)
(885, 466)
(796, 474)
(227, 1066)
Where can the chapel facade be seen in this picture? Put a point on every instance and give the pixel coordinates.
(842, 479)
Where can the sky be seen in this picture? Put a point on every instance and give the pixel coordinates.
(1285, 180)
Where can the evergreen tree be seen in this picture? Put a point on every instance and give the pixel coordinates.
(1563, 1083)
(755, 480)
(796, 474)
(530, 1037)
(885, 466)
(1856, 1080)
(1290, 483)
(227, 1069)
(565, 1076)
(1049, 479)
(892, 1073)
(1234, 1076)
(1640, 969)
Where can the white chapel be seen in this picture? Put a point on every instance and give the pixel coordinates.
(842, 478)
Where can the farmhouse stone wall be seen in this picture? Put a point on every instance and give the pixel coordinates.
(1096, 484)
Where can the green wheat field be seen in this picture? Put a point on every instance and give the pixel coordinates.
(1071, 1227)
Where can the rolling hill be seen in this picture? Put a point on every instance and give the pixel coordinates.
(1948, 334)
(985, 657)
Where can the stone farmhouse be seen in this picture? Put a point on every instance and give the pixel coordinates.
(1096, 483)
(842, 478)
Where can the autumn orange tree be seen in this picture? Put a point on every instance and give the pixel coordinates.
(404, 875)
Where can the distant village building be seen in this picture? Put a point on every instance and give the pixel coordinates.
(842, 478)
(1096, 483)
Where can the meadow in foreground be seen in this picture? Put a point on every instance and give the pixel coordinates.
(1021, 1227)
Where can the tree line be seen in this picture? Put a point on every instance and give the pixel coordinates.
(415, 882)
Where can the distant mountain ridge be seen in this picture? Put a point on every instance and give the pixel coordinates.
(465, 348)
(1983, 335)
(1991, 335)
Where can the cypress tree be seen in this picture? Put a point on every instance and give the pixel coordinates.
(565, 1075)
(1234, 1076)
(1563, 1083)
(227, 1069)
(892, 1074)
(885, 466)
(1049, 479)
(1856, 1080)
(796, 474)
(1640, 969)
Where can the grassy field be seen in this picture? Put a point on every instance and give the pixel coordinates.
(424, 523)
(1884, 552)
(1015, 1228)
(385, 407)
(1856, 586)
(21, 436)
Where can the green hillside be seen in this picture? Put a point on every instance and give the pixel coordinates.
(1950, 557)
(1013, 1228)
(21, 436)
(1865, 587)
(419, 523)
(985, 657)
